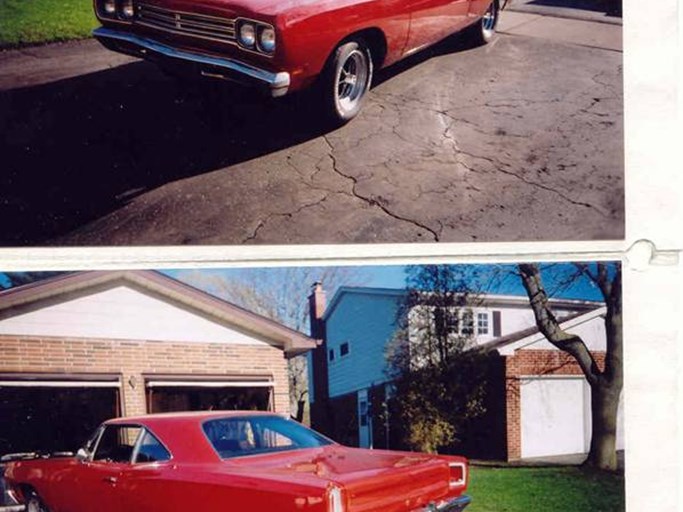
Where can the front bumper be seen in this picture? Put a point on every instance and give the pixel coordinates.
(276, 84)
(455, 505)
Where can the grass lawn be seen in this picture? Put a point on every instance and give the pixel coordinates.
(42, 21)
(556, 489)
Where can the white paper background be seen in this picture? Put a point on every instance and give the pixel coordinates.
(653, 73)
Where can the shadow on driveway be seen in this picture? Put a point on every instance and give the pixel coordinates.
(77, 149)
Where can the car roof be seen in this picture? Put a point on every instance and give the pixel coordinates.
(184, 417)
(182, 432)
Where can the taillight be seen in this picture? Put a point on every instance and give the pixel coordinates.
(458, 475)
(335, 500)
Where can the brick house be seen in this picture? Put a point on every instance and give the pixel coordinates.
(539, 401)
(83, 347)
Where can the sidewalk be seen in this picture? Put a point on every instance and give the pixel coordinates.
(593, 34)
(587, 10)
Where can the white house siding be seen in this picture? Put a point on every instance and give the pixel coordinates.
(592, 332)
(366, 322)
(517, 317)
(123, 313)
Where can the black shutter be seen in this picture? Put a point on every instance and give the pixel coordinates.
(496, 323)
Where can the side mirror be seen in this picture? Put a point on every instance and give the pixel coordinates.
(81, 455)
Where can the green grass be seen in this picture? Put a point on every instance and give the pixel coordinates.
(25, 22)
(559, 489)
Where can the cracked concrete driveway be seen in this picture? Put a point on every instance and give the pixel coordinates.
(518, 140)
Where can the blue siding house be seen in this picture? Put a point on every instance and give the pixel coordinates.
(349, 385)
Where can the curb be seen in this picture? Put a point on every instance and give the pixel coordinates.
(564, 15)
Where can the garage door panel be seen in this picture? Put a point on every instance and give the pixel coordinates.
(553, 416)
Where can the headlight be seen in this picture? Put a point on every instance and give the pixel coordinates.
(267, 39)
(127, 9)
(109, 7)
(247, 35)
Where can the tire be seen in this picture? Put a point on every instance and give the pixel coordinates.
(346, 80)
(35, 504)
(484, 30)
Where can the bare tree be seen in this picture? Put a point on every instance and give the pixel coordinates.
(606, 383)
(280, 294)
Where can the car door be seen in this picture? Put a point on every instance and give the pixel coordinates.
(98, 478)
(432, 20)
(146, 485)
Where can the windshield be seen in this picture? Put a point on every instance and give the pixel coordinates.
(251, 435)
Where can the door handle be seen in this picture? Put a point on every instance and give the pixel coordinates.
(110, 479)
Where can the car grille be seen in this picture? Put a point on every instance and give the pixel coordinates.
(178, 22)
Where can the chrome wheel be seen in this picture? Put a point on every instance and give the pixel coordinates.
(483, 31)
(34, 504)
(352, 81)
(346, 80)
(489, 22)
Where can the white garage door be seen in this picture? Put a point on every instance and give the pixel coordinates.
(555, 416)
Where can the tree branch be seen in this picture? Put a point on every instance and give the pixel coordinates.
(550, 327)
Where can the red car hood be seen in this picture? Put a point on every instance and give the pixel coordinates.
(241, 7)
(373, 479)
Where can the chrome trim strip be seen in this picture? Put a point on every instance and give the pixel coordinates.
(278, 83)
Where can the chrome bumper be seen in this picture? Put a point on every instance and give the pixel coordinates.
(276, 84)
(455, 505)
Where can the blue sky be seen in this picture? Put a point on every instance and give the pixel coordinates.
(393, 276)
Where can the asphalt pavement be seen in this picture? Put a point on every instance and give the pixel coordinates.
(518, 140)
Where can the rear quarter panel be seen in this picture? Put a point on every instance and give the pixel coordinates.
(213, 489)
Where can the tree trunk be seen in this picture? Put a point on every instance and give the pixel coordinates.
(604, 407)
(300, 408)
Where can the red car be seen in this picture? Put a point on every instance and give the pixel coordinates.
(282, 46)
(218, 461)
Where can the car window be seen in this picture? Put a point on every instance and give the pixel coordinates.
(89, 445)
(116, 443)
(150, 449)
(234, 437)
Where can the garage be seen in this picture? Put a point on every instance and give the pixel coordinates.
(54, 413)
(80, 348)
(555, 416)
(169, 394)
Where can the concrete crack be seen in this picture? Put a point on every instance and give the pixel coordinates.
(371, 201)
(499, 167)
(265, 221)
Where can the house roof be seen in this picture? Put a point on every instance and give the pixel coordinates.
(511, 342)
(15, 300)
(486, 300)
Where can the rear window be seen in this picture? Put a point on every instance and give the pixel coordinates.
(251, 435)
(151, 450)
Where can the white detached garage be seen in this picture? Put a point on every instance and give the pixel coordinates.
(548, 400)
